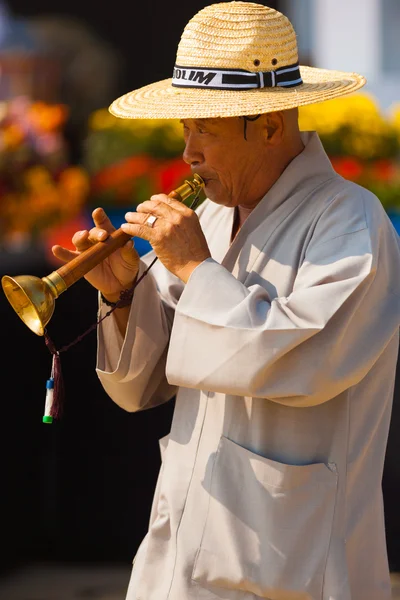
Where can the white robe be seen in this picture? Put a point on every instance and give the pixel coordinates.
(282, 351)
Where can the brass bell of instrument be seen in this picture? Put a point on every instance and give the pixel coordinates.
(32, 298)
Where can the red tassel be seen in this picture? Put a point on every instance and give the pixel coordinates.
(58, 397)
(57, 405)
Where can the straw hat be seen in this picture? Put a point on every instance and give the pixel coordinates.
(235, 59)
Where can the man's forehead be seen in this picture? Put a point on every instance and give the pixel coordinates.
(210, 121)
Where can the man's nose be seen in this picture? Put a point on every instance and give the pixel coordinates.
(192, 154)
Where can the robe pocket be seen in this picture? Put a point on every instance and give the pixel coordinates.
(268, 525)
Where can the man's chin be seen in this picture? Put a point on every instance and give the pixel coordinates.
(213, 193)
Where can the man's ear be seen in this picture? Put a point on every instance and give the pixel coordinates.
(274, 126)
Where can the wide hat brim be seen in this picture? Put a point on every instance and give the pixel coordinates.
(161, 100)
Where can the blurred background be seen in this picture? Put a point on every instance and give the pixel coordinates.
(75, 495)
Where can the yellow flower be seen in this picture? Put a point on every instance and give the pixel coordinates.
(330, 116)
(102, 119)
(352, 124)
(394, 116)
(173, 130)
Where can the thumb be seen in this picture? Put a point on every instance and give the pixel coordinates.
(129, 253)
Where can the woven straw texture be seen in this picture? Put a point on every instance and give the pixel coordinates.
(235, 35)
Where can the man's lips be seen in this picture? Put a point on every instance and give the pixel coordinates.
(205, 179)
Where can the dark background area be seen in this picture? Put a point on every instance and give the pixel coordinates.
(81, 488)
(145, 35)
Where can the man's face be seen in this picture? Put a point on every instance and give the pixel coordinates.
(217, 151)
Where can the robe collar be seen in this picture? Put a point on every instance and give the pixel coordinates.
(307, 170)
(311, 165)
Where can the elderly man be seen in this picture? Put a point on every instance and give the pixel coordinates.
(272, 313)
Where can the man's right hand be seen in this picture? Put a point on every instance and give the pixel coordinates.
(114, 274)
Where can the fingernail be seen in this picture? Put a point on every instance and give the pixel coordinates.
(125, 227)
(128, 215)
(129, 245)
(102, 235)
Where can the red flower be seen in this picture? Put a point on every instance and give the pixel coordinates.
(62, 235)
(348, 167)
(117, 173)
(170, 174)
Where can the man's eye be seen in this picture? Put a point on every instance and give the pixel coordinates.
(186, 130)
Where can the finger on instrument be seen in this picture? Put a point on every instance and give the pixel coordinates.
(176, 198)
(63, 254)
(102, 221)
(177, 204)
(138, 228)
(154, 207)
(173, 203)
(96, 235)
(136, 218)
(81, 240)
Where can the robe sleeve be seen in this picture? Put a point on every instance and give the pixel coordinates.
(131, 369)
(300, 350)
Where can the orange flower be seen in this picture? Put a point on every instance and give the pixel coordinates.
(37, 178)
(74, 181)
(45, 117)
(13, 136)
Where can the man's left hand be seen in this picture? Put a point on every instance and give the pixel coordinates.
(176, 236)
